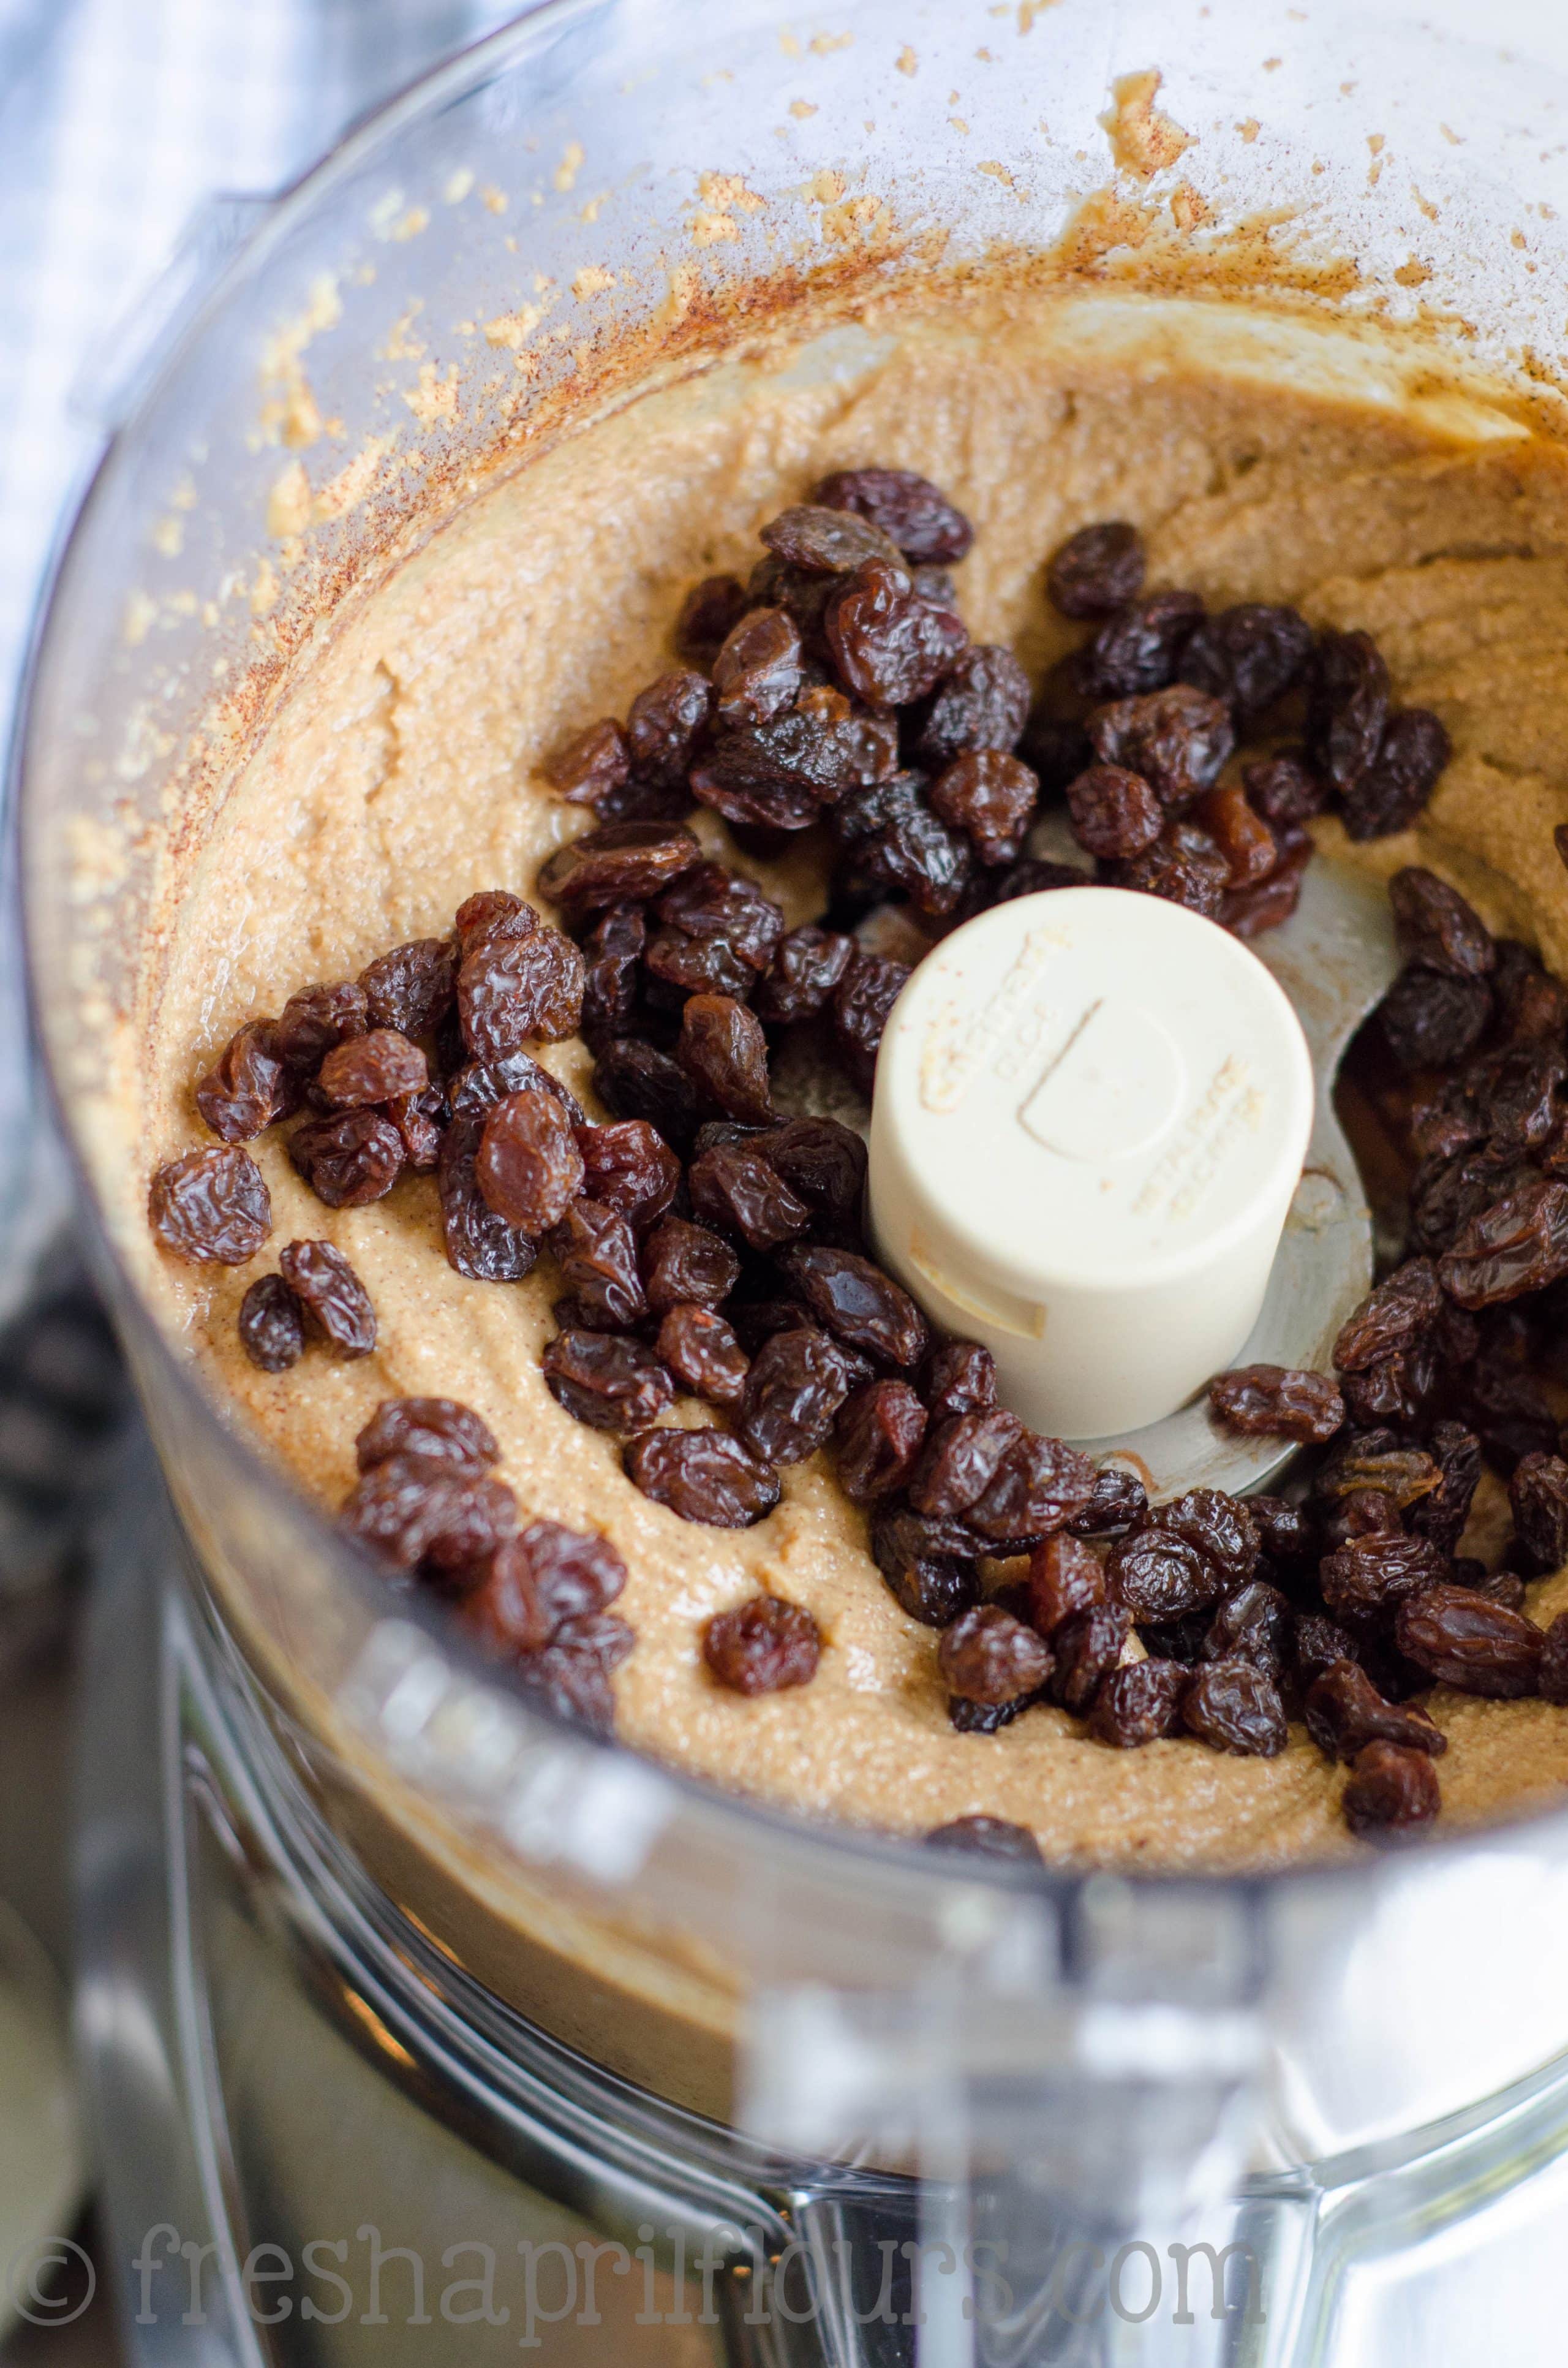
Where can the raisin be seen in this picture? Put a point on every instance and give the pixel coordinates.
(572, 1683)
(663, 726)
(735, 1190)
(992, 798)
(1521, 1089)
(1437, 927)
(707, 614)
(480, 1085)
(781, 774)
(1397, 1389)
(1554, 1661)
(757, 673)
(411, 988)
(807, 967)
(763, 1646)
(1087, 1649)
(439, 1430)
(1065, 1578)
(960, 1378)
(1056, 747)
(1096, 571)
(725, 1053)
(491, 913)
(824, 1161)
(1188, 870)
(1219, 1526)
(1118, 1503)
(529, 1166)
(858, 1302)
(703, 1475)
(596, 1250)
(1394, 1315)
(1375, 1460)
(249, 1087)
(635, 1080)
(612, 951)
(1510, 1412)
(929, 1565)
(591, 764)
(961, 1458)
(373, 1068)
(513, 988)
(1317, 1643)
(479, 1244)
(987, 1837)
(920, 857)
(870, 988)
(1040, 1485)
(704, 1355)
(1372, 1575)
(336, 1304)
(418, 1119)
(1345, 1712)
(1537, 1497)
(606, 1381)
(1396, 787)
(686, 1263)
(983, 703)
(630, 1167)
(1364, 1513)
(794, 1392)
(1253, 1624)
(1285, 1531)
(1440, 1516)
(1248, 912)
(1242, 838)
(981, 1718)
(1114, 812)
(908, 509)
(1277, 1402)
(1160, 1577)
(1530, 1003)
(988, 1656)
(211, 1206)
(624, 862)
(890, 646)
(272, 1329)
(1348, 706)
(1139, 649)
(1177, 739)
(407, 1510)
(877, 1434)
(1249, 656)
(318, 1017)
(1138, 1703)
(709, 901)
(827, 539)
(1519, 1245)
(1233, 1707)
(1391, 1789)
(1284, 790)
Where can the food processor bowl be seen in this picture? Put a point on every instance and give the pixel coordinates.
(607, 195)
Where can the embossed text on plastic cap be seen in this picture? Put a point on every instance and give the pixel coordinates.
(1091, 1112)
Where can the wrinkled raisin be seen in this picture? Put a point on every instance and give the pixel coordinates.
(272, 1329)
(1481, 1647)
(610, 1383)
(1219, 1526)
(858, 1302)
(890, 646)
(866, 995)
(1065, 1578)
(630, 1167)
(336, 1303)
(960, 1378)
(783, 773)
(249, 1087)
(1140, 648)
(636, 1080)
(1242, 838)
(983, 703)
(908, 509)
(988, 1656)
(703, 1475)
(1374, 1574)
(1138, 1703)
(442, 1431)
(1391, 1789)
(1177, 739)
(987, 1837)
(1537, 1498)
(705, 1356)
(211, 1206)
(878, 1433)
(1277, 1402)
(1087, 1648)
(807, 967)
(1185, 868)
(663, 726)
(735, 1190)
(1249, 656)
(1392, 1316)
(418, 1119)
(1392, 792)
(513, 988)
(623, 861)
(686, 1263)
(824, 1161)
(373, 1068)
(1284, 790)
(1233, 1707)
(528, 1169)
(1345, 1712)
(407, 1510)
(827, 539)
(1436, 927)
(411, 988)
(1096, 571)
(1114, 812)
(991, 797)
(712, 902)
(929, 1565)
(960, 1458)
(591, 764)
(1160, 1575)
(1519, 1245)
(758, 672)
(612, 951)
(1442, 1513)
(1317, 1643)
(1253, 1624)
(491, 913)
(725, 1053)
(708, 612)
(317, 1019)
(1040, 1485)
(480, 1085)
(596, 1250)
(762, 1646)
(794, 1392)
(1118, 1503)
(1348, 706)
(479, 1244)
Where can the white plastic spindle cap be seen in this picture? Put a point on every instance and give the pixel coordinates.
(1091, 1112)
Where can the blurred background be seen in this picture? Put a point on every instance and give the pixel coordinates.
(138, 139)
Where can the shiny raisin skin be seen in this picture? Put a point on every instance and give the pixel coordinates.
(623, 861)
(991, 797)
(828, 539)
(1248, 655)
(596, 1250)
(318, 1017)
(249, 1087)
(1519, 1245)
(792, 1394)
(1065, 1578)
(547, 1581)
(1464, 1640)
(1397, 1313)
(1219, 1526)
(210, 1207)
(960, 1378)
(806, 969)
(630, 1167)
(704, 1355)
(929, 1565)
(988, 1656)
(1392, 792)
(1096, 571)
(981, 703)
(272, 1329)
(491, 913)
(478, 1242)
(725, 1053)
(1277, 1402)
(407, 1510)
(1117, 1504)
(1432, 1018)
(1345, 1712)
(1284, 790)
(439, 1429)
(1537, 1498)
(1435, 926)
(1177, 739)
(879, 1433)
(962, 1457)
(336, 1304)
(704, 1477)
(591, 764)
(1138, 1703)
(636, 1080)
(411, 988)
(1087, 1648)
(757, 673)
(372, 1068)
(514, 990)
(1253, 1624)
(1114, 812)
(1392, 1791)
(606, 1381)
(1233, 1707)
(866, 995)
(612, 950)
(1160, 1575)
(1140, 648)
(890, 646)
(908, 509)
(683, 1263)
(1242, 838)
(1190, 871)
(1039, 1484)
(528, 1167)
(987, 1837)
(734, 1190)
(860, 1303)
(1374, 1574)
(762, 1646)
(1348, 706)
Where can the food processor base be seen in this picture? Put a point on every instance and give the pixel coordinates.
(321, 2141)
